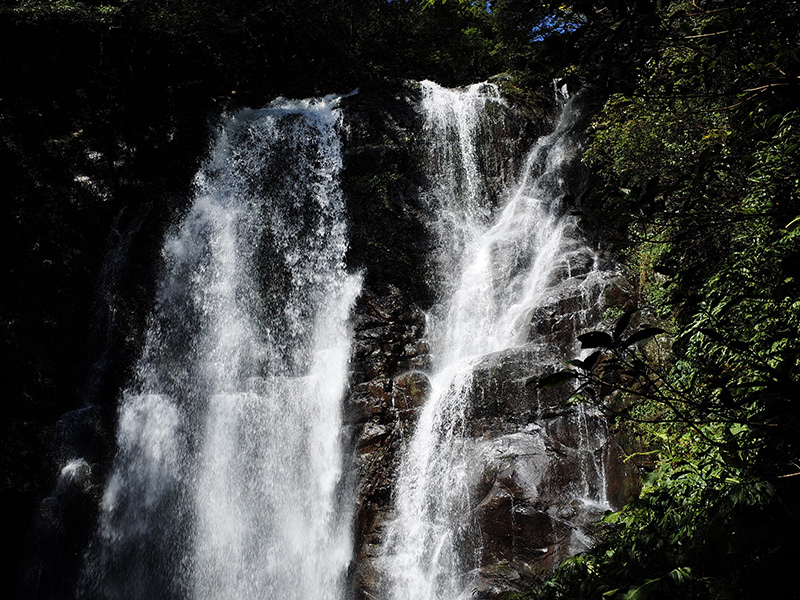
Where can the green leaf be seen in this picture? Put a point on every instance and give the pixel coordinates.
(596, 339)
(717, 336)
(586, 364)
(731, 459)
(642, 334)
(637, 593)
(652, 478)
(621, 325)
(555, 379)
(591, 360)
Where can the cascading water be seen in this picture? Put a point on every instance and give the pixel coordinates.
(493, 268)
(228, 478)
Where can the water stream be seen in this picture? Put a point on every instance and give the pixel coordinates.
(228, 481)
(494, 265)
(228, 478)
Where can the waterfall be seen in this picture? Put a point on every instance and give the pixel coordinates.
(228, 477)
(493, 267)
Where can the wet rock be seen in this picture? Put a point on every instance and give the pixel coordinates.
(369, 399)
(372, 434)
(571, 306)
(504, 395)
(388, 336)
(537, 463)
(410, 390)
(497, 579)
(537, 491)
(622, 473)
(386, 391)
(619, 293)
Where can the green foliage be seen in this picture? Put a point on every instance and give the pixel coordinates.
(38, 10)
(696, 151)
(714, 518)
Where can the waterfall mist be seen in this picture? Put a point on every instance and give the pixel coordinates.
(228, 478)
(269, 448)
(493, 267)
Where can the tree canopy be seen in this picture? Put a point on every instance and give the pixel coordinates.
(696, 156)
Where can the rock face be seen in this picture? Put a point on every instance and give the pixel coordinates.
(544, 463)
(382, 181)
(387, 388)
(536, 458)
(531, 466)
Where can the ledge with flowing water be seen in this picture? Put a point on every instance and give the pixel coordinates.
(227, 478)
(474, 281)
(470, 477)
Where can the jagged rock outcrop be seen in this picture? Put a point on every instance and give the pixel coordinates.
(386, 390)
(382, 181)
(531, 464)
(529, 445)
(542, 460)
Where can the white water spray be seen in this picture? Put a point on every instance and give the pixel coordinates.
(228, 478)
(494, 268)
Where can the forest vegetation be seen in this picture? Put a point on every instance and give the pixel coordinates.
(696, 188)
(696, 158)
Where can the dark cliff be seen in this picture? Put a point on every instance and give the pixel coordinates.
(95, 183)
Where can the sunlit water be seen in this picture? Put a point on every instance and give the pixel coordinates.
(227, 483)
(493, 267)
